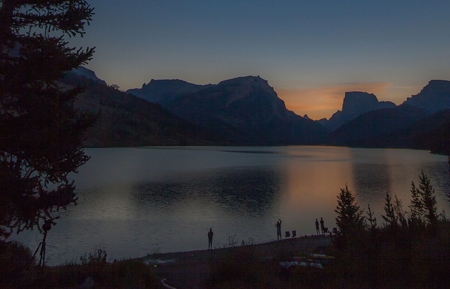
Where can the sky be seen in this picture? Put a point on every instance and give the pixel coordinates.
(310, 52)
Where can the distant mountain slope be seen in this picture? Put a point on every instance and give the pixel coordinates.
(126, 120)
(83, 71)
(355, 104)
(435, 96)
(371, 129)
(246, 110)
(165, 90)
(429, 133)
(420, 122)
(432, 133)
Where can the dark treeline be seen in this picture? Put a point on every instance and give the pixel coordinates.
(409, 250)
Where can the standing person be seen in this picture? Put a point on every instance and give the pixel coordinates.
(449, 165)
(317, 227)
(278, 225)
(210, 237)
(322, 225)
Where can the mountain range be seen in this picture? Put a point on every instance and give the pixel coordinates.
(422, 122)
(126, 120)
(247, 111)
(355, 104)
(244, 110)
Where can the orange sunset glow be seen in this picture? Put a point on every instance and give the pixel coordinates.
(322, 102)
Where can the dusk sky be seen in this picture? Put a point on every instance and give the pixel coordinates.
(310, 52)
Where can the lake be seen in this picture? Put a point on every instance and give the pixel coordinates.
(138, 201)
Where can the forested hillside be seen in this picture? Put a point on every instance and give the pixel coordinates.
(126, 120)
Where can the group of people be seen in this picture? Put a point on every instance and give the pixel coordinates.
(323, 230)
(319, 230)
(322, 227)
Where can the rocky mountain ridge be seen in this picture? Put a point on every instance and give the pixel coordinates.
(164, 90)
(246, 110)
(89, 74)
(355, 104)
(435, 96)
(126, 120)
(422, 121)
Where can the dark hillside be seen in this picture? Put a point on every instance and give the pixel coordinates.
(126, 120)
(371, 129)
(433, 133)
(165, 90)
(248, 111)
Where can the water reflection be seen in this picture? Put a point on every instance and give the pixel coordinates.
(138, 201)
(246, 192)
(377, 171)
(371, 181)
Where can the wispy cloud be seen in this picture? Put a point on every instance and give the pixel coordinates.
(320, 102)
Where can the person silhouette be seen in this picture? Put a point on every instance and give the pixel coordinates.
(448, 165)
(278, 225)
(210, 238)
(322, 225)
(317, 227)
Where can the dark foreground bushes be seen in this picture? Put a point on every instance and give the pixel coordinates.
(18, 270)
(245, 267)
(14, 259)
(122, 274)
(410, 250)
(238, 268)
(393, 261)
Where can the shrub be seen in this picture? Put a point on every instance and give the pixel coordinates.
(15, 259)
(240, 267)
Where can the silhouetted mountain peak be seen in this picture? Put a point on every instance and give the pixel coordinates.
(245, 80)
(435, 96)
(248, 109)
(166, 82)
(355, 104)
(251, 88)
(83, 71)
(440, 82)
(164, 90)
(248, 83)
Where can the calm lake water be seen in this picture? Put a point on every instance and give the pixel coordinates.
(136, 201)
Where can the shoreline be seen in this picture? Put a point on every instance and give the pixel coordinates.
(303, 243)
(190, 269)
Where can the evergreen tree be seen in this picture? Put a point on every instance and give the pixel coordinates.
(416, 205)
(399, 212)
(390, 217)
(428, 199)
(350, 219)
(41, 131)
(371, 219)
(423, 202)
